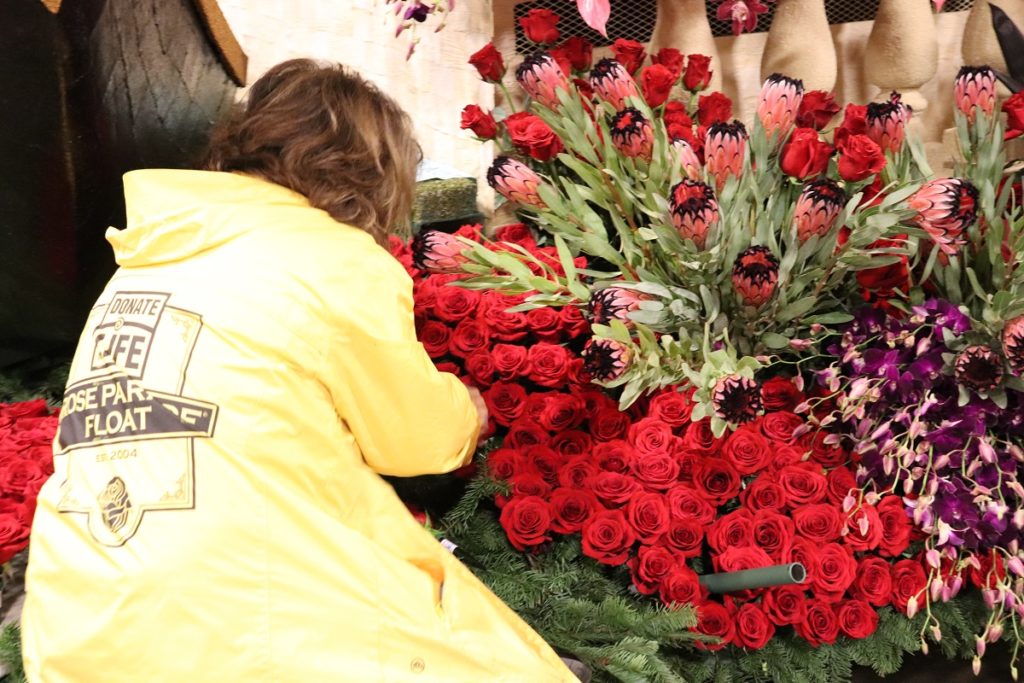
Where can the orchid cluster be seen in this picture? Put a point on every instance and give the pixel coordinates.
(412, 13)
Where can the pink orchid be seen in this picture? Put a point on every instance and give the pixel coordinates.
(595, 13)
(742, 13)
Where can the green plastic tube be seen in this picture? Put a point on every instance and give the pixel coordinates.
(751, 579)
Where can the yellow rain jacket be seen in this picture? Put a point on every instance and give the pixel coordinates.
(216, 513)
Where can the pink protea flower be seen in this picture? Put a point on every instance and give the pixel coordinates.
(614, 303)
(606, 359)
(817, 208)
(946, 207)
(724, 149)
(694, 210)
(737, 399)
(438, 252)
(612, 83)
(687, 158)
(779, 103)
(515, 181)
(542, 78)
(887, 122)
(755, 275)
(975, 88)
(1013, 344)
(978, 367)
(632, 134)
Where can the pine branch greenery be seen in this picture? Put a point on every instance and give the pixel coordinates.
(10, 654)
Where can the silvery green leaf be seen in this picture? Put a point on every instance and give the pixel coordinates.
(646, 317)
(796, 309)
(647, 234)
(774, 341)
(834, 318)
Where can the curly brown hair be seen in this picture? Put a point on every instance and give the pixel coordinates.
(328, 134)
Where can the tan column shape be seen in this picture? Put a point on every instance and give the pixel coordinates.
(902, 52)
(800, 45)
(683, 24)
(980, 45)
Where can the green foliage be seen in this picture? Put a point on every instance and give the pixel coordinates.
(44, 382)
(10, 654)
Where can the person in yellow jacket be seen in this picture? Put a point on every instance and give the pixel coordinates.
(216, 514)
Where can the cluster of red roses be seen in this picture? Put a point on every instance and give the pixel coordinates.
(26, 461)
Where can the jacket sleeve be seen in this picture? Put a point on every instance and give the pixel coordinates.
(407, 417)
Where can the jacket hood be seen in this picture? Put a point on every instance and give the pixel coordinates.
(174, 214)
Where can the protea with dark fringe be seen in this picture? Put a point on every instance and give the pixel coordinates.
(737, 399)
(542, 78)
(755, 274)
(817, 208)
(1013, 344)
(515, 181)
(975, 88)
(606, 359)
(724, 149)
(613, 303)
(978, 367)
(612, 83)
(632, 134)
(438, 252)
(946, 207)
(887, 123)
(779, 103)
(694, 210)
(687, 159)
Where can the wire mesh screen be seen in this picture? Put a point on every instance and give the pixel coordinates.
(634, 19)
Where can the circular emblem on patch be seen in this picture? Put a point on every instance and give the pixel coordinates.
(114, 504)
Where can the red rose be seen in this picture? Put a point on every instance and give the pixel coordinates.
(607, 537)
(509, 360)
(753, 629)
(873, 582)
(822, 452)
(36, 407)
(614, 456)
(505, 326)
(684, 502)
(764, 494)
(540, 25)
(685, 536)
(820, 522)
(549, 364)
(715, 619)
(734, 530)
(836, 571)
(840, 482)
(806, 553)
(773, 533)
(860, 157)
(895, 525)
(784, 455)
(573, 323)
(578, 52)
(503, 463)
(656, 471)
(863, 528)
(779, 426)
(532, 136)
(1014, 108)
(681, 586)
(650, 566)
(629, 53)
(884, 281)
(516, 233)
(992, 570)
(700, 439)
(785, 604)
(677, 122)
(803, 483)
(482, 123)
(455, 304)
(648, 515)
(805, 154)
(562, 412)
(529, 483)
(545, 460)
(571, 508)
(779, 393)
(536, 403)
(572, 442)
(577, 472)
(525, 432)
(817, 109)
(435, 337)
(657, 81)
(738, 559)
(480, 367)
(450, 368)
(650, 436)
(609, 423)
(526, 521)
(672, 407)
(14, 532)
(716, 480)
(855, 122)
(670, 58)
(857, 619)
(714, 108)
(820, 624)
(614, 489)
(546, 323)
(19, 475)
(505, 402)
(698, 73)
(747, 450)
(488, 63)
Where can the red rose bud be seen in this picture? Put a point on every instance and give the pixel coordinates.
(438, 252)
(657, 82)
(817, 109)
(694, 210)
(946, 207)
(613, 303)
(606, 359)
(887, 123)
(975, 88)
(612, 83)
(855, 122)
(1013, 344)
(779, 103)
(540, 26)
(724, 150)
(805, 154)
(698, 73)
(687, 159)
(578, 51)
(488, 63)
(755, 275)
(629, 53)
(479, 121)
(515, 181)
(678, 123)
(632, 134)
(713, 108)
(860, 157)
(542, 78)
(670, 58)
(532, 136)
(736, 399)
(817, 208)
(978, 367)
(1014, 110)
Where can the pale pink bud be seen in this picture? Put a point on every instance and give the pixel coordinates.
(976, 666)
(1015, 565)
(995, 632)
(912, 607)
(933, 558)
(979, 647)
